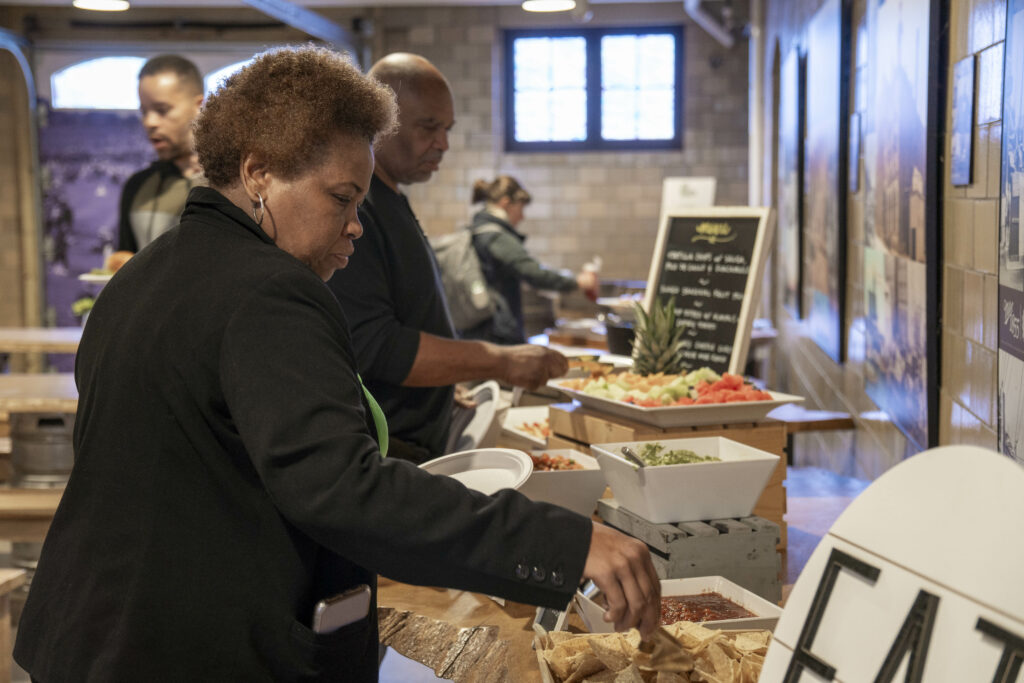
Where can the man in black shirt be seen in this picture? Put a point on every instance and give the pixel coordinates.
(170, 95)
(391, 291)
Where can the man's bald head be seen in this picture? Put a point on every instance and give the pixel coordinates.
(408, 73)
(425, 114)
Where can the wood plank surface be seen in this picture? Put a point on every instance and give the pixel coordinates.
(463, 636)
(40, 339)
(38, 393)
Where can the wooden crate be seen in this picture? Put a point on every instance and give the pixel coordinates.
(741, 550)
(573, 426)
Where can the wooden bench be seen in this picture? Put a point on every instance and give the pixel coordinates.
(799, 420)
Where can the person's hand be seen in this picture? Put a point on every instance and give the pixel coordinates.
(588, 283)
(530, 366)
(621, 567)
(464, 397)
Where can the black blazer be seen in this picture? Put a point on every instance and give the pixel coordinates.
(226, 479)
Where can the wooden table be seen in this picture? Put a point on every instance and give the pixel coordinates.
(38, 393)
(462, 636)
(10, 580)
(40, 339)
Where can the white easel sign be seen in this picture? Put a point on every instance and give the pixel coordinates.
(920, 579)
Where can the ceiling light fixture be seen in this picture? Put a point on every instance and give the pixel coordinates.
(102, 5)
(548, 5)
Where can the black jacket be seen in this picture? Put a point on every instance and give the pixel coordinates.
(226, 479)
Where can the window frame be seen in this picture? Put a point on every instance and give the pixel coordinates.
(593, 141)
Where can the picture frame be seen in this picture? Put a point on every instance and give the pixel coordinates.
(901, 228)
(790, 182)
(962, 125)
(825, 177)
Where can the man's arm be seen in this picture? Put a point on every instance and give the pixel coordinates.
(441, 361)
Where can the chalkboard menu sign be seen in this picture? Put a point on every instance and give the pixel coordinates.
(711, 261)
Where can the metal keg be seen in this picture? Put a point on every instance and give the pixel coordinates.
(41, 449)
(41, 457)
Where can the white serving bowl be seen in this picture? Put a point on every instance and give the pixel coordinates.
(691, 492)
(486, 470)
(766, 614)
(516, 417)
(577, 490)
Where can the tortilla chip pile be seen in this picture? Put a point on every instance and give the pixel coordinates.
(717, 656)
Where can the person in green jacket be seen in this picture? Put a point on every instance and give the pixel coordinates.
(506, 264)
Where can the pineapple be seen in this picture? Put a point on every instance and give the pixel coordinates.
(658, 344)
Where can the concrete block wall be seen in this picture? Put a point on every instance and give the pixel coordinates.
(585, 203)
(970, 323)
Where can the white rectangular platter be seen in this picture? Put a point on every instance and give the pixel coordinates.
(682, 416)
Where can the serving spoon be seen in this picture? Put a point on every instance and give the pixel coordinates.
(636, 459)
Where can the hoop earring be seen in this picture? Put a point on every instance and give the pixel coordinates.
(259, 221)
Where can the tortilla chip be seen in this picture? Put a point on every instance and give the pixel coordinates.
(753, 641)
(558, 637)
(669, 677)
(587, 665)
(631, 674)
(613, 651)
(606, 676)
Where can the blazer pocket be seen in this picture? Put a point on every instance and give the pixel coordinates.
(340, 653)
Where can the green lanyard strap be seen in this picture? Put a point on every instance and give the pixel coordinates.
(379, 421)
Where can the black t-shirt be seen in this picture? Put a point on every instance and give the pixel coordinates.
(390, 292)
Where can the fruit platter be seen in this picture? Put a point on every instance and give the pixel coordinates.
(699, 397)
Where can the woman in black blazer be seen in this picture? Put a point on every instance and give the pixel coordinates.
(229, 470)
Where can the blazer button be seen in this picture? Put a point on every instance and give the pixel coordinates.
(522, 571)
(539, 574)
(557, 578)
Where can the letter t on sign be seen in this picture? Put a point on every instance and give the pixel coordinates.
(802, 655)
(1013, 652)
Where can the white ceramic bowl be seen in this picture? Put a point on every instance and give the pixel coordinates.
(577, 490)
(515, 418)
(766, 614)
(486, 470)
(691, 492)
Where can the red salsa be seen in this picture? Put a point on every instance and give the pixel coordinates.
(703, 607)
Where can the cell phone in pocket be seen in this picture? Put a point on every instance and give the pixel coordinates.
(332, 613)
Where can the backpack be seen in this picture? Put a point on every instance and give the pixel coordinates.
(469, 299)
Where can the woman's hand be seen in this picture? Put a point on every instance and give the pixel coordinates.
(621, 567)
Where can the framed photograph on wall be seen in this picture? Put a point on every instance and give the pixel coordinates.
(962, 127)
(1011, 245)
(789, 247)
(901, 265)
(825, 181)
(854, 153)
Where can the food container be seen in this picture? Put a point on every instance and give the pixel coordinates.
(766, 614)
(486, 470)
(514, 434)
(689, 492)
(577, 490)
